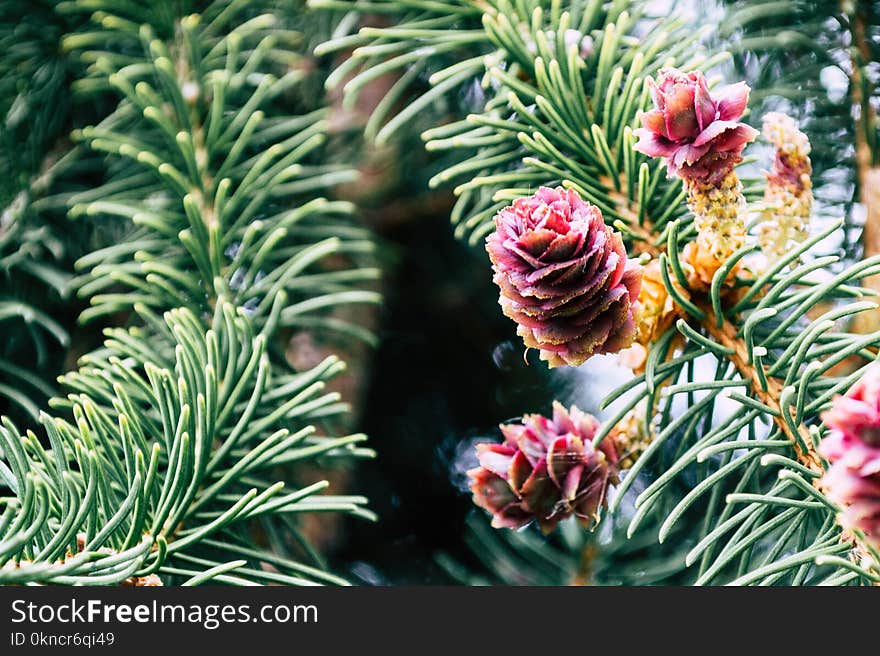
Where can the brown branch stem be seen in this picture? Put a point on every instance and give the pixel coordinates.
(728, 337)
(868, 173)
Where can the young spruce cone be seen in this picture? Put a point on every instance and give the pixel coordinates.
(545, 470)
(564, 276)
(853, 448)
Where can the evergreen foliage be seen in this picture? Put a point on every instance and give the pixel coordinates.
(34, 81)
(167, 166)
(170, 453)
(732, 417)
(136, 483)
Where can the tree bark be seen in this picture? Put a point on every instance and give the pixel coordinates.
(868, 173)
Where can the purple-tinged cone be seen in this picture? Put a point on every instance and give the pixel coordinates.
(696, 131)
(852, 481)
(545, 470)
(564, 276)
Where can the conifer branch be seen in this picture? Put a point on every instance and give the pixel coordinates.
(563, 112)
(169, 455)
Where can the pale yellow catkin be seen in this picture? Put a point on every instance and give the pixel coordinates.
(718, 210)
(788, 197)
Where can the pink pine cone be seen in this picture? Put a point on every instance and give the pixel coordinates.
(564, 276)
(545, 470)
(853, 448)
(697, 132)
